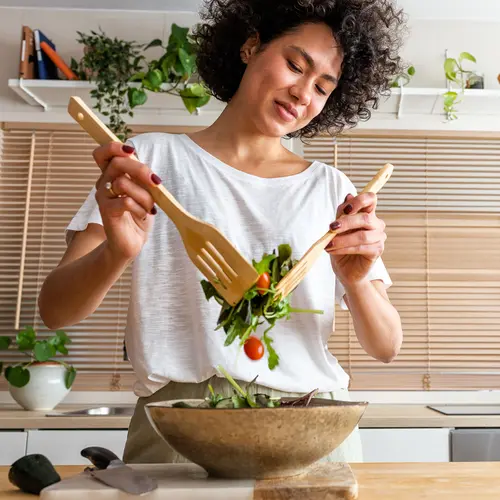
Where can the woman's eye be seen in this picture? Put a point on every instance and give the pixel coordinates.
(294, 67)
(320, 90)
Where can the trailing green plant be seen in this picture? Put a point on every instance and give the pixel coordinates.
(402, 79)
(109, 62)
(456, 73)
(173, 73)
(37, 351)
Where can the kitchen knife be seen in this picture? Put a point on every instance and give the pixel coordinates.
(110, 470)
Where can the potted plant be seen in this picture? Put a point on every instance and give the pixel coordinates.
(40, 382)
(109, 62)
(173, 73)
(456, 73)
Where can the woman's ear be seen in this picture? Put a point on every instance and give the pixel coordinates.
(249, 48)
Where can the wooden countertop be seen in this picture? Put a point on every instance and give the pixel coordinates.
(403, 481)
(376, 416)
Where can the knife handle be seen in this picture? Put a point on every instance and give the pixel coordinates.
(100, 457)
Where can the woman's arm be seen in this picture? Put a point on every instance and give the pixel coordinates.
(376, 320)
(359, 243)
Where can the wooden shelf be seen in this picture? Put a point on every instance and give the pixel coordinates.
(479, 109)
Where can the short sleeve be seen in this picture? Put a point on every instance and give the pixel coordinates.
(88, 213)
(378, 270)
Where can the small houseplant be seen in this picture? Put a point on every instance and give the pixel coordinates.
(173, 73)
(40, 382)
(109, 62)
(456, 73)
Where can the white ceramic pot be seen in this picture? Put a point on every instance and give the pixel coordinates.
(45, 390)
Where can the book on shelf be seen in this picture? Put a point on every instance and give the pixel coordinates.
(39, 58)
(27, 60)
(47, 70)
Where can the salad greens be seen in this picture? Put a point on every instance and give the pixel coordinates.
(245, 399)
(259, 304)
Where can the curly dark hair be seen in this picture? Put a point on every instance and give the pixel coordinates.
(368, 31)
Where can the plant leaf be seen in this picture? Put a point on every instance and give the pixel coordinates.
(178, 35)
(154, 43)
(5, 343)
(273, 358)
(411, 70)
(263, 266)
(43, 350)
(155, 78)
(17, 376)
(209, 290)
(136, 97)
(64, 339)
(26, 339)
(188, 62)
(450, 65)
(192, 100)
(137, 77)
(469, 57)
(70, 376)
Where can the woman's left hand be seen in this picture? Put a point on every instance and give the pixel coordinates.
(360, 239)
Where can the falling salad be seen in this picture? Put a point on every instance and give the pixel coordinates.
(258, 306)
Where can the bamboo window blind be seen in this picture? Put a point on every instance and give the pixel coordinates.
(442, 208)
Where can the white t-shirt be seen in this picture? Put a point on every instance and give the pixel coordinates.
(170, 327)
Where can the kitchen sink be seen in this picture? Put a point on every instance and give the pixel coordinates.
(98, 411)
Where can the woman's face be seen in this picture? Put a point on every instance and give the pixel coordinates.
(288, 83)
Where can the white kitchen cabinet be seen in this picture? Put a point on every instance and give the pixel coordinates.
(406, 445)
(12, 446)
(63, 447)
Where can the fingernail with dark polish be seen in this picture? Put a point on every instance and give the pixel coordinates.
(334, 225)
(128, 149)
(348, 209)
(155, 179)
(154, 211)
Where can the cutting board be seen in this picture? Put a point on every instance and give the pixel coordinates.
(329, 481)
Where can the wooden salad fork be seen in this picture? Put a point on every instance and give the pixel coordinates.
(299, 270)
(210, 251)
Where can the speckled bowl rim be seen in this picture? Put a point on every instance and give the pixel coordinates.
(319, 403)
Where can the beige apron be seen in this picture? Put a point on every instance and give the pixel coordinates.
(145, 446)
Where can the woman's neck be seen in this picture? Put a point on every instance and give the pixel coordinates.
(233, 140)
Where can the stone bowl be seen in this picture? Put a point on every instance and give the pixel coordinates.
(255, 443)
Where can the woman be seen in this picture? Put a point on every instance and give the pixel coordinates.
(286, 69)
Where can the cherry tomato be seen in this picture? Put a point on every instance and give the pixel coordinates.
(254, 348)
(263, 282)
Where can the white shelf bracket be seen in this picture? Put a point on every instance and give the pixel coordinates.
(400, 105)
(32, 95)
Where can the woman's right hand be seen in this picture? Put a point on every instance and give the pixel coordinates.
(127, 210)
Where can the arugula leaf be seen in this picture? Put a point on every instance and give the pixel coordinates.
(263, 266)
(209, 290)
(237, 329)
(273, 359)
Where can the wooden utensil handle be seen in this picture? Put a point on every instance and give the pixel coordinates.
(83, 115)
(374, 186)
(380, 178)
